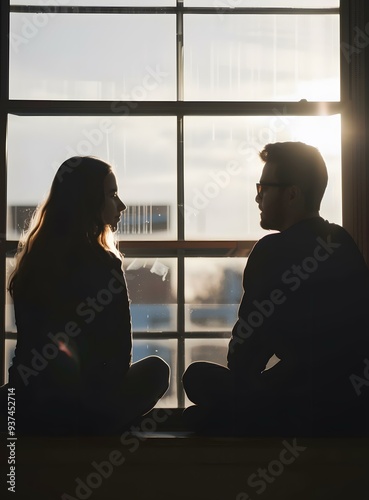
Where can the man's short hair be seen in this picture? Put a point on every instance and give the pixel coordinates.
(300, 164)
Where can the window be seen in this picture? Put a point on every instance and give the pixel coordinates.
(179, 97)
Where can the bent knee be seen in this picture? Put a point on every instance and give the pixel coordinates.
(158, 366)
(192, 374)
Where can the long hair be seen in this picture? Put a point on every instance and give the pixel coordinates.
(69, 220)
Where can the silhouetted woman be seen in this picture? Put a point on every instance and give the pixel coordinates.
(72, 366)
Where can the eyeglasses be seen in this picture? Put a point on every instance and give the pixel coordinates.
(261, 185)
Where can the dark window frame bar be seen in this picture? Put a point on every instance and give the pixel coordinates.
(171, 335)
(172, 108)
(4, 99)
(60, 9)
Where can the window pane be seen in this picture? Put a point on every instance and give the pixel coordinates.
(9, 306)
(261, 57)
(213, 290)
(152, 288)
(142, 151)
(214, 350)
(89, 56)
(262, 3)
(9, 354)
(222, 166)
(167, 350)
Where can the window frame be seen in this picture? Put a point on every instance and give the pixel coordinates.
(353, 219)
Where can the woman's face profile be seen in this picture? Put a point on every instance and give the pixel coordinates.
(113, 205)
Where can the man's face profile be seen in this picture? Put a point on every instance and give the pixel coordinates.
(270, 199)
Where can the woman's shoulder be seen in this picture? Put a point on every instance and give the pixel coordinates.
(92, 268)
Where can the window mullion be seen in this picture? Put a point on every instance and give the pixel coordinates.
(180, 62)
(180, 328)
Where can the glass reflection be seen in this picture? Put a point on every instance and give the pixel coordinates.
(213, 289)
(92, 57)
(9, 354)
(222, 165)
(261, 57)
(152, 288)
(10, 326)
(142, 151)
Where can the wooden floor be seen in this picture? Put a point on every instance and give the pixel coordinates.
(178, 465)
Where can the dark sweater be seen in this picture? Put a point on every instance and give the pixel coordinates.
(306, 300)
(85, 307)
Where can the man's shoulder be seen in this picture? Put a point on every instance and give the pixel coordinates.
(331, 228)
(332, 232)
(305, 230)
(267, 241)
(267, 250)
(304, 237)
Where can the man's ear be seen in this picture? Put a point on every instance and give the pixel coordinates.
(294, 193)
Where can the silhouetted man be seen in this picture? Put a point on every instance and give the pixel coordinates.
(306, 297)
